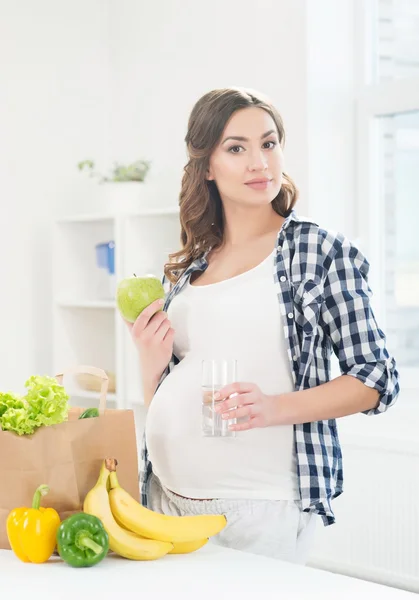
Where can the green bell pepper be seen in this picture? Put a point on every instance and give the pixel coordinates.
(89, 412)
(82, 541)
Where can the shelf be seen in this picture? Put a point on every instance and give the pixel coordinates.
(87, 218)
(102, 304)
(86, 399)
(146, 212)
(87, 329)
(110, 397)
(156, 212)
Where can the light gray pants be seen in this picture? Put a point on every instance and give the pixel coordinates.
(274, 528)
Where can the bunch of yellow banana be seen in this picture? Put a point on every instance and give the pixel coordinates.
(137, 533)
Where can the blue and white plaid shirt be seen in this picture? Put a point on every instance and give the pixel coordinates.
(323, 294)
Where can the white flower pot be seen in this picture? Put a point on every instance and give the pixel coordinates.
(126, 197)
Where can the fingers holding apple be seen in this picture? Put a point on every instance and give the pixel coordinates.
(140, 301)
(149, 320)
(145, 329)
(165, 334)
(153, 336)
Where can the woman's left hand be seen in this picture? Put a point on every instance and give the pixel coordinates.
(239, 400)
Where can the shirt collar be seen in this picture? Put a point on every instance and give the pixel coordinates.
(294, 218)
(201, 263)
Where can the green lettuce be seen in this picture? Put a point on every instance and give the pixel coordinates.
(9, 400)
(16, 420)
(46, 403)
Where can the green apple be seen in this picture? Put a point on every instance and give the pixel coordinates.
(134, 294)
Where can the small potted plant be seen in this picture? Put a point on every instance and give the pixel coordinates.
(124, 187)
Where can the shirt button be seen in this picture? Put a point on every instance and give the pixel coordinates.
(282, 278)
(294, 358)
(290, 316)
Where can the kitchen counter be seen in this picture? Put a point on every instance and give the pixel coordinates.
(210, 573)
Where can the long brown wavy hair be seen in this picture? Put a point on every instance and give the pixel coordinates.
(201, 211)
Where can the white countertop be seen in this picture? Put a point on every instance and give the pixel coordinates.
(210, 573)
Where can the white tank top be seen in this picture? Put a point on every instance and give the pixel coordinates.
(236, 318)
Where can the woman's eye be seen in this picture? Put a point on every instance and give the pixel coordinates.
(235, 149)
(238, 149)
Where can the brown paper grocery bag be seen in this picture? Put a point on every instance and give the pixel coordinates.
(67, 457)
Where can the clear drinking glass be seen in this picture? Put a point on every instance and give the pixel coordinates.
(215, 375)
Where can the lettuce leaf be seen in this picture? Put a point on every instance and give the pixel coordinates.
(17, 420)
(9, 400)
(46, 403)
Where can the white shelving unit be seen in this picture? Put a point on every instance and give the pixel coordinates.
(87, 326)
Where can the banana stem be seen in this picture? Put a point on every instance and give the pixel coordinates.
(111, 464)
(113, 480)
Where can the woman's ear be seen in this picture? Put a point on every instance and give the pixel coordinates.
(208, 175)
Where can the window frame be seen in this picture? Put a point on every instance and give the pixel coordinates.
(375, 99)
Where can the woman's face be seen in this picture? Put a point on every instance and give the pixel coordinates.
(247, 164)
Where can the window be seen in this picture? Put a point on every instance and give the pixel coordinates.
(397, 39)
(399, 193)
(387, 158)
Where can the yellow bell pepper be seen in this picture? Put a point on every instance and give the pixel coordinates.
(32, 531)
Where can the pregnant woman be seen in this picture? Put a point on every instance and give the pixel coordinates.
(256, 282)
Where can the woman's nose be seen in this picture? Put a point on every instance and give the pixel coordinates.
(257, 162)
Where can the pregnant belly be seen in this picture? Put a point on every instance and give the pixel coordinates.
(255, 462)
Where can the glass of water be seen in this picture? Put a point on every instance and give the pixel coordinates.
(216, 374)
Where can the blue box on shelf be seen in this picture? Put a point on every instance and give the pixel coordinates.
(105, 260)
(105, 256)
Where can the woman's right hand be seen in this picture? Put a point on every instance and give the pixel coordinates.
(153, 337)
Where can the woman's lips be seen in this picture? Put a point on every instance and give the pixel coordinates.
(259, 185)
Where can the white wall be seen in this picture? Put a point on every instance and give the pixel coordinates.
(166, 54)
(54, 109)
(331, 41)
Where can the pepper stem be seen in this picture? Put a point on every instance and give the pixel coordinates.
(87, 542)
(42, 490)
